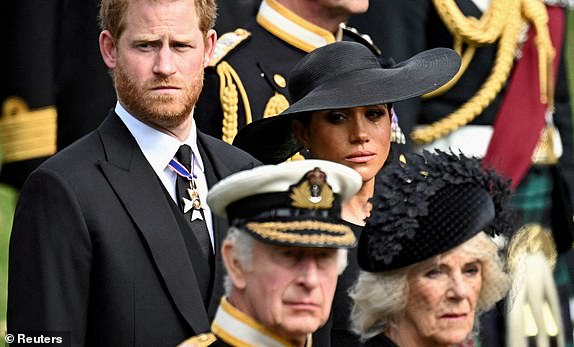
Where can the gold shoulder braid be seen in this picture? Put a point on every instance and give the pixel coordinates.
(226, 43)
(502, 22)
(276, 104)
(202, 340)
(24, 133)
(229, 85)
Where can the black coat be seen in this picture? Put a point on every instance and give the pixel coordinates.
(97, 250)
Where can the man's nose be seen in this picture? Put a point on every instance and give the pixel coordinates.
(309, 272)
(164, 64)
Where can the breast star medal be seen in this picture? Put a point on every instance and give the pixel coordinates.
(193, 203)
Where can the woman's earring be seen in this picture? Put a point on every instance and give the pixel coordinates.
(397, 135)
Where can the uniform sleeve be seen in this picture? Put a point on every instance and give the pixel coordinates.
(208, 113)
(49, 260)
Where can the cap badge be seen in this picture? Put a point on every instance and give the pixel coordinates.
(312, 192)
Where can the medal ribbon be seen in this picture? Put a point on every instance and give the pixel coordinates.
(181, 170)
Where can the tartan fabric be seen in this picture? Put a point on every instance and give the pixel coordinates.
(533, 197)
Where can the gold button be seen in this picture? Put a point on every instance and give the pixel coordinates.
(203, 338)
(280, 80)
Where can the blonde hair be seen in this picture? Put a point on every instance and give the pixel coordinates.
(379, 297)
(113, 13)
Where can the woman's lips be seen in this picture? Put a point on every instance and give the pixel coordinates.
(454, 316)
(360, 157)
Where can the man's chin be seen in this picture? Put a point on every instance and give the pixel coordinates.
(304, 325)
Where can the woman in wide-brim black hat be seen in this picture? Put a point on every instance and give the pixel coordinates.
(341, 111)
(429, 263)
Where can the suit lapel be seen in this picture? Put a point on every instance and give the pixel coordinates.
(215, 170)
(138, 187)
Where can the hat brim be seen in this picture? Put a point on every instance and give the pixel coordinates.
(272, 140)
(303, 233)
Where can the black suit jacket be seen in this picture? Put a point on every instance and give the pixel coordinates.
(96, 249)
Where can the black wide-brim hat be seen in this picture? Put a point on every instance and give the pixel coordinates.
(344, 75)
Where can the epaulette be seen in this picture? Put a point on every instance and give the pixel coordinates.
(362, 38)
(226, 43)
(202, 340)
(26, 134)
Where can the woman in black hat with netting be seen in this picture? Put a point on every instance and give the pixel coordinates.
(428, 259)
(342, 111)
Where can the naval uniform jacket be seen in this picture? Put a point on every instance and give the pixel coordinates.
(233, 328)
(97, 250)
(254, 63)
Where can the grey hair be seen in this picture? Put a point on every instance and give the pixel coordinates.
(379, 297)
(244, 243)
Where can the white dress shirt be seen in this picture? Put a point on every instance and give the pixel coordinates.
(159, 148)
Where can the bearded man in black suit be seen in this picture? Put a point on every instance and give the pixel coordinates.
(100, 251)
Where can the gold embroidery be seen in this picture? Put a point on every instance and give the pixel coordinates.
(203, 340)
(24, 133)
(229, 90)
(279, 231)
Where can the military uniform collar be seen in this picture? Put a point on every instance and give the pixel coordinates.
(237, 329)
(293, 29)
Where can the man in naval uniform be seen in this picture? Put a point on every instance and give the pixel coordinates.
(285, 247)
(510, 104)
(246, 78)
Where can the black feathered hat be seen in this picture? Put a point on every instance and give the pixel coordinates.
(344, 75)
(426, 205)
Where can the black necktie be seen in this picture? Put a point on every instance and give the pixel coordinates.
(184, 186)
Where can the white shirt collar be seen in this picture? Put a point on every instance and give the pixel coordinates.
(158, 147)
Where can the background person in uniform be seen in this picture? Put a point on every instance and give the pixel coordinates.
(512, 89)
(283, 253)
(429, 262)
(246, 79)
(101, 247)
(52, 62)
(342, 112)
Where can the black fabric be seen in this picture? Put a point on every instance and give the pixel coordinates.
(198, 225)
(277, 205)
(341, 334)
(380, 340)
(562, 211)
(201, 268)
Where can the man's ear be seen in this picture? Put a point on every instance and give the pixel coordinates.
(210, 41)
(235, 270)
(301, 133)
(108, 49)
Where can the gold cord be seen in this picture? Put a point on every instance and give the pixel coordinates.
(230, 83)
(502, 22)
